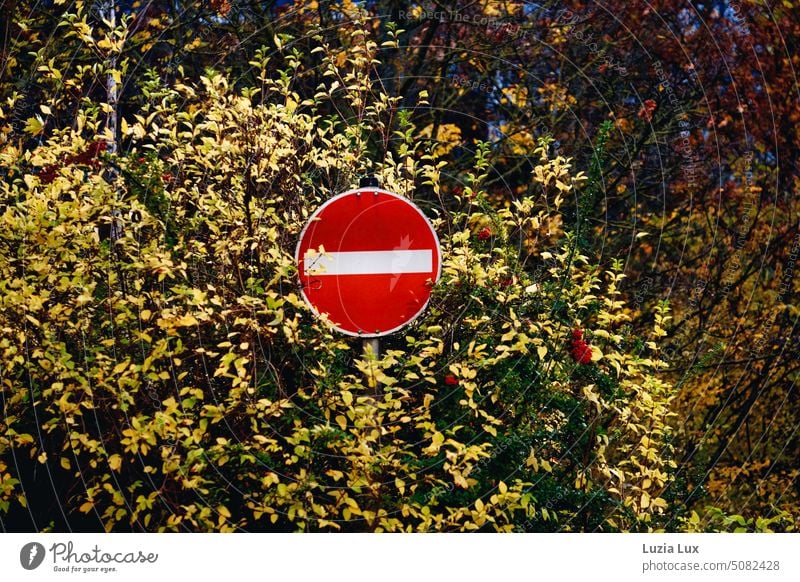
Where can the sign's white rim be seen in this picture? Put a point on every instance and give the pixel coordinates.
(310, 220)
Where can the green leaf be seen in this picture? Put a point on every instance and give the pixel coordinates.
(34, 125)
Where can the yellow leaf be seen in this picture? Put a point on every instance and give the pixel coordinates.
(115, 462)
(291, 105)
(659, 503)
(590, 395)
(187, 320)
(45, 109)
(341, 421)
(436, 442)
(542, 351)
(645, 500)
(65, 463)
(508, 336)
(447, 137)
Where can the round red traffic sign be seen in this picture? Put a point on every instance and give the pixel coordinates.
(367, 259)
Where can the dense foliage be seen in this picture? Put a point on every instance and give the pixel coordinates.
(160, 372)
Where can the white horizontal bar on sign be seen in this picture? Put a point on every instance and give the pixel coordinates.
(368, 262)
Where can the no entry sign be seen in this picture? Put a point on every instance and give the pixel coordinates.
(367, 259)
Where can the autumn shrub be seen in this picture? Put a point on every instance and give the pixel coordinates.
(158, 358)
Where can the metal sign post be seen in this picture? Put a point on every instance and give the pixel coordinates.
(372, 347)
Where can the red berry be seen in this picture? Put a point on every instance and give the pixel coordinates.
(451, 380)
(581, 352)
(485, 234)
(96, 147)
(48, 174)
(577, 334)
(647, 109)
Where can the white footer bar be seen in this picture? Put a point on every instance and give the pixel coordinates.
(400, 558)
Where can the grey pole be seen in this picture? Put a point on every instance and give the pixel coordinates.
(372, 344)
